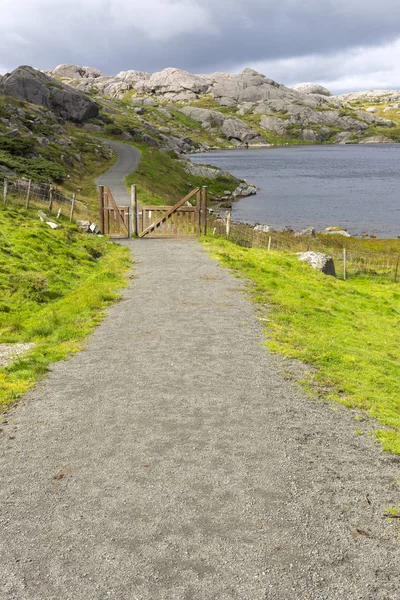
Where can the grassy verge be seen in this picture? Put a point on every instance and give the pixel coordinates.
(54, 287)
(348, 331)
(162, 179)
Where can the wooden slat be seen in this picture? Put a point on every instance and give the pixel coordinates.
(181, 223)
(170, 211)
(203, 227)
(118, 217)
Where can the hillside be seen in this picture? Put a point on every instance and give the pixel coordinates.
(230, 110)
(53, 125)
(54, 286)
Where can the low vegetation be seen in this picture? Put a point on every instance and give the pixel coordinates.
(162, 179)
(347, 330)
(54, 287)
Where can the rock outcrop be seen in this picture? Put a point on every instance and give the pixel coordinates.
(311, 88)
(319, 261)
(75, 72)
(371, 96)
(235, 130)
(174, 84)
(26, 83)
(246, 108)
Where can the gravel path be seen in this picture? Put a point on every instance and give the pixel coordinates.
(172, 460)
(127, 162)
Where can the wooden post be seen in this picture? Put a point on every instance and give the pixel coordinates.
(203, 228)
(228, 223)
(101, 207)
(198, 208)
(134, 212)
(269, 242)
(28, 194)
(71, 214)
(397, 269)
(344, 264)
(5, 190)
(50, 199)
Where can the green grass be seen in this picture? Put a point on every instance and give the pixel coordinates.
(348, 331)
(161, 179)
(54, 287)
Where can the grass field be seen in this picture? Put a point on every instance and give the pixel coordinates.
(349, 331)
(54, 287)
(161, 179)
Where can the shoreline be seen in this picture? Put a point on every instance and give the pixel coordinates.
(324, 202)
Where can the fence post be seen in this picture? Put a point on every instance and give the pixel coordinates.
(204, 210)
(228, 223)
(134, 212)
(101, 207)
(397, 269)
(50, 209)
(28, 194)
(5, 190)
(269, 242)
(344, 264)
(71, 214)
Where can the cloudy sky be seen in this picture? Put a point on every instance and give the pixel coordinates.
(344, 44)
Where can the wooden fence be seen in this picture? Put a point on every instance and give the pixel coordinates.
(348, 262)
(26, 193)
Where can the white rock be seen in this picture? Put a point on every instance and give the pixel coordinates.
(319, 261)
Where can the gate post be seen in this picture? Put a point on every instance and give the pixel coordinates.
(203, 228)
(134, 212)
(101, 203)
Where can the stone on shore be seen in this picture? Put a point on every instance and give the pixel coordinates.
(307, 232)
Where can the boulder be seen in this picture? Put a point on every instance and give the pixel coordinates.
(371, 109)
(275, 124)
(336, 231)
(264, 228)
(201, 170)
(311, 88)
(320, 261)
(344, 137)
(173, 84)
(30, 85)
(377, 139)
(371, 96)
(84, 225)
(307, 232)
(243, 190)
(248, 86)
(203, 115)
(235, 129)
(75, 72)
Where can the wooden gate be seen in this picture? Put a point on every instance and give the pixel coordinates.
(181, 220)
(114, 220)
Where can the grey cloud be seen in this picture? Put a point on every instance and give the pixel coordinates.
(197, 35)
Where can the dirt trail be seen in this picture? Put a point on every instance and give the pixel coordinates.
(127, 162)
(172, 460)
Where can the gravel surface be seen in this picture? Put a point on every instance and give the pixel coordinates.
(172, 460)
(127, 162)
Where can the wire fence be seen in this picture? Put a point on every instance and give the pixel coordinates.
(25, 192)
(348, 262)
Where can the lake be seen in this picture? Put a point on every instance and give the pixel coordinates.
(353, 186)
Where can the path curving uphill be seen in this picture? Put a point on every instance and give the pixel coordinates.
(128, 161)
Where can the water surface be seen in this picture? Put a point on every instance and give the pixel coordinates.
(356, 187)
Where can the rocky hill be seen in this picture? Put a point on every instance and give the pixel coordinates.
(247, 108)
(48, 120)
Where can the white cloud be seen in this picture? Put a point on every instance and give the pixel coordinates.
(360, 68)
